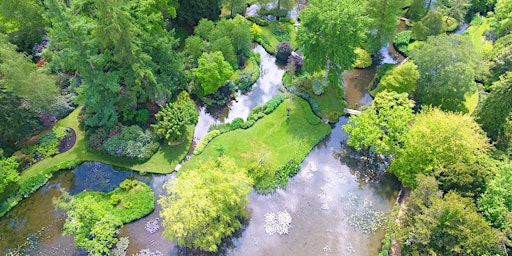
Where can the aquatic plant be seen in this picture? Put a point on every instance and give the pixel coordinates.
(277, 223)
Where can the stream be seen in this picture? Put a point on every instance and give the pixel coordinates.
(332, 200)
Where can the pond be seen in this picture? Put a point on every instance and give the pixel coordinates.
(333, 201)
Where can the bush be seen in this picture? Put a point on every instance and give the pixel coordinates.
(258, 21)
(62, 107)
(32, 184)
(222, 128)
(204, 142)
(115, 199)
(237, 123)
(272, 104)
(319, 86)
(172, 121)
(95, 139)
(132, 142)
(477, 20)
(127, 184)
(256, 31)
(287, 20)
(449, 24)
(273, 12)
(297, 59)
(363, 60)
(402, 40)
(283, 51)
(312, 103)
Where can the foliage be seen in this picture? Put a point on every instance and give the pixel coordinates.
(119, 68)
(32, 184)
(495, 111)
(190, 12)
(234, 6)
(382, 127)
(383, 22)
(258, 21)
(309, 114)
(329, 33)
(400, 79)
(204, 204)
(448, 66)
(283, 51)
(319, 86)
(132, 142)
(363, 59)
(503, 17)
(402, 41)
(8, 171)
(501, 60)
(449, 24)
(456, 9)
(212, 72)
(451, 147)
(48, 144)
(205, 140)
(430, 25)
(272, 104)
(93, 220)
(172, 121)
(447, 225)
(256, 31)
(496, 202)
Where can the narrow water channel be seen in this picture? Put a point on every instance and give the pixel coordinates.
(326, 199)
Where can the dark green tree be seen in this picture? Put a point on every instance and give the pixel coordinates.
(384, 19)
(329, 33)
(430, 25)
(448, 67)
(503, 17)
(454, 8)
(172, 121)
(191, 12)
(234, 6)
(494, 114)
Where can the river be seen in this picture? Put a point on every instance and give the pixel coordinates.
(325, 200)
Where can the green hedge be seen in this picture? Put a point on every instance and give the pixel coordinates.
(258, 21)
(402, 40)
(204, 142)
(310, 116)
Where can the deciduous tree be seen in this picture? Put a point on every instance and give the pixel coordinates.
(212, 72)
(403, 78)
(329, 33)
(205, 205)
(381, 127)
(384, 19)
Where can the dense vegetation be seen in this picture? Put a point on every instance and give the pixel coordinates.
(137, 77)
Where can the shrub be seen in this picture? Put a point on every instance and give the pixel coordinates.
(402, 40)
(128, 205)
(115, 199)
(449, 24)
(273, 12)
(256, 31)
(319, 86)
(297, 59)
(286, 171)
(95, 139)
(248, 124)
(287, 20)
(62, 107)
(258, 21)
(272, 104)
(172, 121)
(363, 60)
(32, 184)
(477, 20)
(283, 51)
(222, 128)
(128, 184)
(204, 142)
(312, 103)
(237, 123)
(132, 142)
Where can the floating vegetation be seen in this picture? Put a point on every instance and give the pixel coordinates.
(326, 249)
(121, 246)
(147, 252)
(325, 199)
(152, 226)
(277, 223)
(364, 216)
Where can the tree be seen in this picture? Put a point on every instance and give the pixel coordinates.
(503, 17)
(403, 78)
(234, 6)
(238, 30)
(280, 4)
(8, 171)
(381, 127)
(204, 205)
(451, 147)
(445, 225)
(212, 72)
(430, 25)
(384, 18)
(172, 121)
(329, 33)
(495, 111)
(501, 61)
(454, 8)
(29, 22)
(90, 222)
(448, 66)
(119, 68)
(496, 202)
(190, 12)
(283, 51)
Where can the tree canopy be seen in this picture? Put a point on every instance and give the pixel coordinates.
(204, 205)
(451, 147)
(212, 72)
(448, 66)
(381, 127)
(400, 79)
(384, 18)
(329, 33)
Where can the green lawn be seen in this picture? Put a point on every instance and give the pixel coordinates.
(331, 102)
(164, 161)
(273, 138)
(277, 32)
(477, 33)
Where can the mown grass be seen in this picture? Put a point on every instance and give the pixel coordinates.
(331, 102)
(274, 139)
(163, 161)
(477, 33)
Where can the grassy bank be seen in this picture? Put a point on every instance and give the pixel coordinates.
(274, 139)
